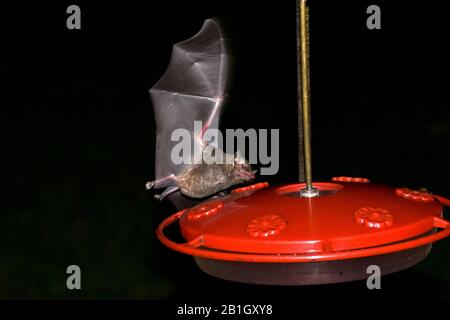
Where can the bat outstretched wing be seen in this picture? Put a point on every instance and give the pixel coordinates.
(192, 89)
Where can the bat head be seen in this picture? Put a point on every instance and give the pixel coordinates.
(242, 170)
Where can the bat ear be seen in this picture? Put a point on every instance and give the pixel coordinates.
(238, 158)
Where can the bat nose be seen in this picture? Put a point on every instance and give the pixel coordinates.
(251, 174)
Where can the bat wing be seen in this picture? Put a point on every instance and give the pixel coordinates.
(191, 89)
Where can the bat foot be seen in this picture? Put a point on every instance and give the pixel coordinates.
(166, 192)
(221, 194)
(149, 185)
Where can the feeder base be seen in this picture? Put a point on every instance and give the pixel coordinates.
(311, 273)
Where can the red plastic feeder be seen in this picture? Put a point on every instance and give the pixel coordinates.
(272, 235)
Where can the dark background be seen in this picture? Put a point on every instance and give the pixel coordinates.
(80, 133)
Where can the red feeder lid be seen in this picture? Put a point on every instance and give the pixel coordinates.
(274, 224)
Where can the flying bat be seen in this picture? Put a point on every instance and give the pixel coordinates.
(193, 88)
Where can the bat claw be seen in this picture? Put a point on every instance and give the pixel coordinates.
(166, 192)
(149, 185)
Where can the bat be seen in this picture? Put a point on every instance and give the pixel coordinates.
(193, 88)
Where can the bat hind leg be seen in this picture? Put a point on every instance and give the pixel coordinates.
(166, 192)
(160, 183)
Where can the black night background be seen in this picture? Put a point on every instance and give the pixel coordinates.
(80, 133)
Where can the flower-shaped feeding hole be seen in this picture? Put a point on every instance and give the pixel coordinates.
(378, 218)
(204, 210)
(414, 195)
(266, 226)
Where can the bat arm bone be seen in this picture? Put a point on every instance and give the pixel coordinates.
(217, 102)
(212, 99)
